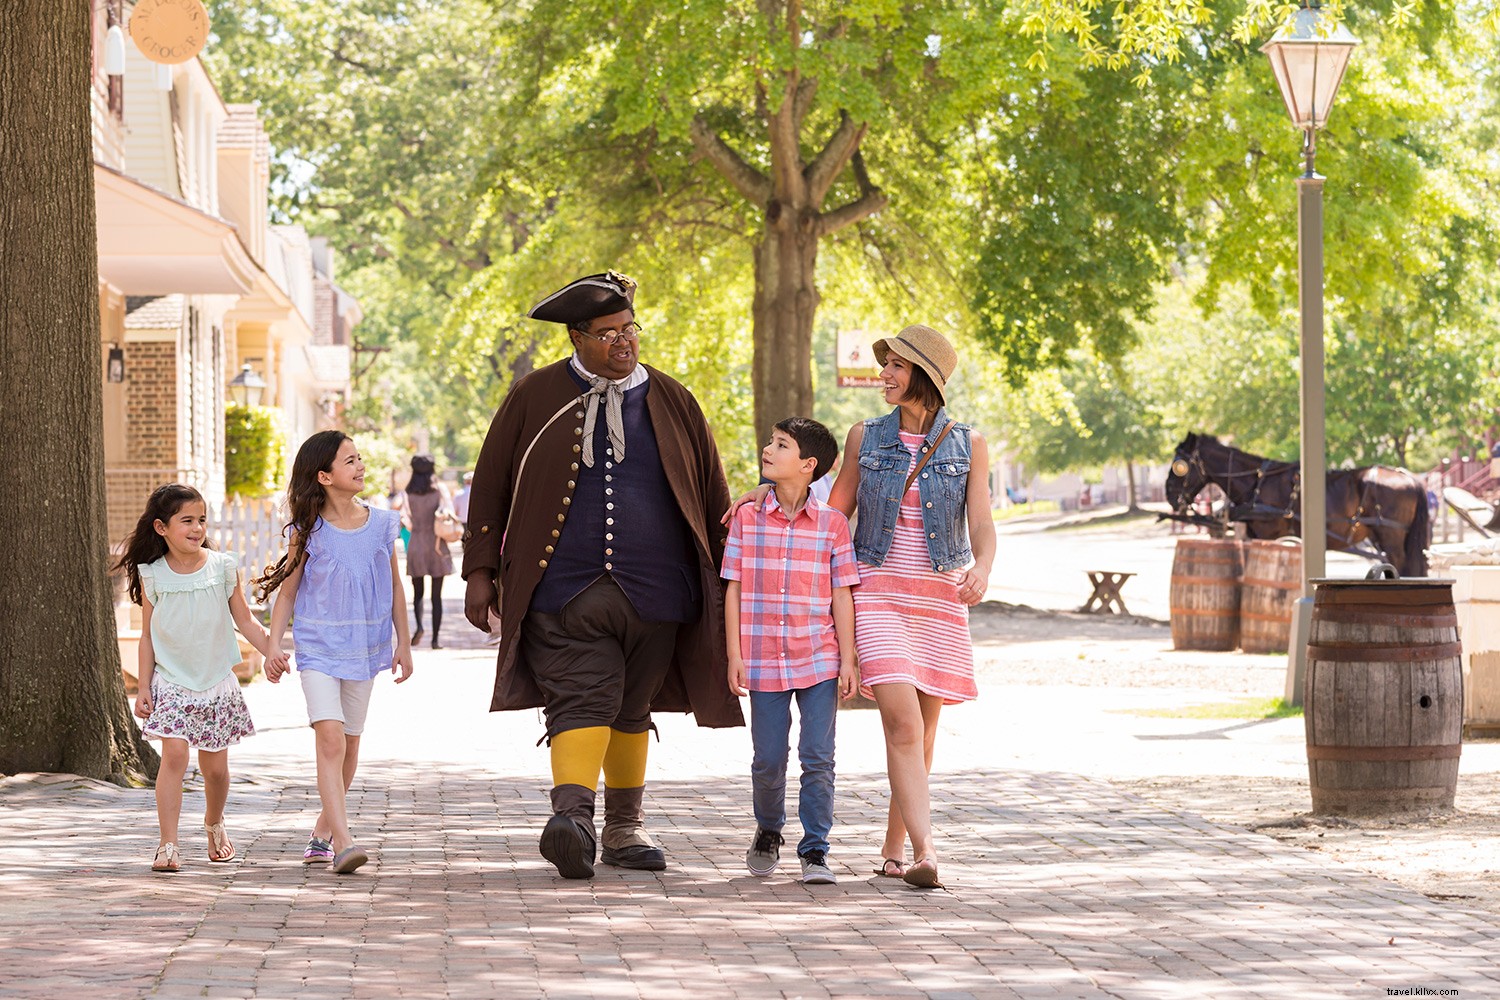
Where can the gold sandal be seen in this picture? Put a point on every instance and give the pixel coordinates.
(168, 859)
(218, 842)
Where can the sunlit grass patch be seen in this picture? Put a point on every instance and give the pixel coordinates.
(1240, 708)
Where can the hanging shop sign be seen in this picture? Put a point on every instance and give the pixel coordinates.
(169, 31)
(856, 364)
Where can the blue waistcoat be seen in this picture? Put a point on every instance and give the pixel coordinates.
(624, 522)
(884, 464)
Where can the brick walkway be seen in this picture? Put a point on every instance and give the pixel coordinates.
(1062, 886)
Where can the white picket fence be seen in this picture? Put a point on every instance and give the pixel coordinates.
(251, 529)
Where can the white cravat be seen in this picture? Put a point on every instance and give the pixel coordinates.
(612, 391)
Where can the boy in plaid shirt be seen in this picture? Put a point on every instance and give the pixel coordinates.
(789, 626)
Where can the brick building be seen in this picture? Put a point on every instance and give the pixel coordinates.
(194, 283)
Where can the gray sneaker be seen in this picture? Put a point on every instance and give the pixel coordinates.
(764, 855)
(815, 870)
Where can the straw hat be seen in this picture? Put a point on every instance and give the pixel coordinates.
(924, 347)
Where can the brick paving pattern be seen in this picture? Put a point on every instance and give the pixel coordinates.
(1062, 885)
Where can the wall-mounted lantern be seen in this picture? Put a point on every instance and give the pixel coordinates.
(114, 368)
(246, 387)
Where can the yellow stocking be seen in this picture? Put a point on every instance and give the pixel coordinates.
(625, 760)
(578, 754)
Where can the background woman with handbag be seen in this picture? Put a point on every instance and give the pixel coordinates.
(424, 504)
(924, 540)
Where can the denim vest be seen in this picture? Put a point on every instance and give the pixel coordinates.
(884, 464)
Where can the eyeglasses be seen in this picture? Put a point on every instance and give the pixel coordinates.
(609, 338)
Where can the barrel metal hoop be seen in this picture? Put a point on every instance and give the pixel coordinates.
(1435, 751)
(1203, 579)
(1285, 616)
(1215, 612)
(1385, 654)
(1251, 581)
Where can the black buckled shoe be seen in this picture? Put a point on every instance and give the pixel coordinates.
(569, 845)
(636, 856)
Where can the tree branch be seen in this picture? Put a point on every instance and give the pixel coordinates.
(802, 103)
(337, 52)
(473, 262)
(825, 167)
(847, 215)
(748, 181)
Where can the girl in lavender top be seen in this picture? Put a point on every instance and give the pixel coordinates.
(339, 575)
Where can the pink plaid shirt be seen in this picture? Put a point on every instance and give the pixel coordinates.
(787, 571)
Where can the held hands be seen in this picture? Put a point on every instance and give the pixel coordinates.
(277, 664)
(758, 495)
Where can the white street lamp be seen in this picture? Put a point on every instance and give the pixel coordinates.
(246, 387)
(1309, 57)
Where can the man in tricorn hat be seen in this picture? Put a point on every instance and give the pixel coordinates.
(594, 534)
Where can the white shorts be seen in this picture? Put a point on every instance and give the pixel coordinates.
(333, 698)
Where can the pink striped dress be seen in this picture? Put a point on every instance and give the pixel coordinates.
(909, 625)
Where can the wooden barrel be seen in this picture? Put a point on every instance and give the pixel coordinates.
(1383, 705)
(1269, 589)
(1205, 594)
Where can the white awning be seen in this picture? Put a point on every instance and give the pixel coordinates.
(153, 244)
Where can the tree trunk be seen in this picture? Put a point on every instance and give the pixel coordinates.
(786, 302)
(1132, 500)
(62, 701)
(791, 190)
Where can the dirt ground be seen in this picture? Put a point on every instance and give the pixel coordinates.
(1446, 855)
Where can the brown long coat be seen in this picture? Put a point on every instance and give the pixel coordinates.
(697, 680)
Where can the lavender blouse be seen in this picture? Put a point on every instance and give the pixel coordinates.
(342, 620)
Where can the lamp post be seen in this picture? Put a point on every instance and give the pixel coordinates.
(246, 387)
(1309, 57)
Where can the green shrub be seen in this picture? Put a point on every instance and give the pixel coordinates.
(254, 450)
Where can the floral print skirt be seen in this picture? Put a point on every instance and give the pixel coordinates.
(208, 720)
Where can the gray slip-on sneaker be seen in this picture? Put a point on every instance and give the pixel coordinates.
(764, 855)
(815, 870)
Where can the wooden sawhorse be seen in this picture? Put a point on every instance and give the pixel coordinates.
(1106, 597)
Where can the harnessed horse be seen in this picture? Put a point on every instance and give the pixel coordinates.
(1383, 506)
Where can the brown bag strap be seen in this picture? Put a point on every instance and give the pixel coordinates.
(925, 456)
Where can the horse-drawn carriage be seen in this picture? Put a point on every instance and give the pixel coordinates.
(1374, 511)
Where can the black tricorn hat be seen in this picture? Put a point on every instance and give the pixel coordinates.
(586, 298)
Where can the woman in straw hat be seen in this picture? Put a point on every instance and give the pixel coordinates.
(925, 541)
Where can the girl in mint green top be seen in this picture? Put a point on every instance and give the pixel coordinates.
(189, 697)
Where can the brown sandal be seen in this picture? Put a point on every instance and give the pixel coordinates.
(218, 842)
(168, 859)
(884, 871)
(923, 875)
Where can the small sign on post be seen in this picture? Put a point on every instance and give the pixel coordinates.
(856, 364)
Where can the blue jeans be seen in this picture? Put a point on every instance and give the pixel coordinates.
(770, 731)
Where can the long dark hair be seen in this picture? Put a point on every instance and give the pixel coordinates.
(305, 498)
(422, 468)
(145, 546)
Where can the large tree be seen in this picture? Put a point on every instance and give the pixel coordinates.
(62, 700)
